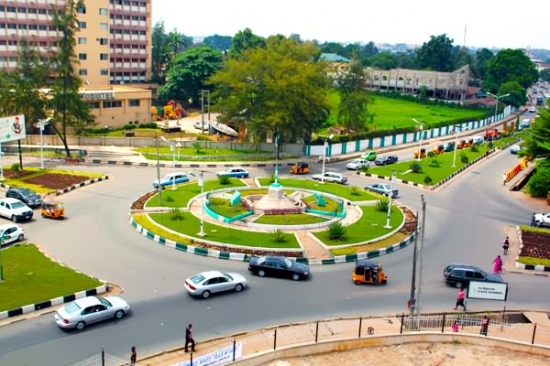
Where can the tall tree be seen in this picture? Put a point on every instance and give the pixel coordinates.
(217, 42)
(384, 60)
(353, 111)
(518, 94)
(537, 144)
(159, 52)
(188, 73)
(510, 65)
(70, 109)
(436, 54)
(177, 43)
(278, 89)
(545, 74)
(243, 41)
(482, 58)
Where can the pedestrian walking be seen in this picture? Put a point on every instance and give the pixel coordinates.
(497, 265)
(533, 220)
(460, 299)
(504, 179)
(484, 326)
(189, 338)
(506, 245)
(454, 327)
(133, 357)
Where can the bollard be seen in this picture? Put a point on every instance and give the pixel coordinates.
(316, 331)
(443, 324)
(275, 340)
(534, 332)
(234, 349)
(360, 324)
(402, 320)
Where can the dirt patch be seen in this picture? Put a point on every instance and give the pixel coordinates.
(411, 222)
(139, 204)
(56, 181)
(535, 244)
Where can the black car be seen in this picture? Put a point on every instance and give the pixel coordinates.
(460, 275)
(25, 195)
(278, 266)
(385, 160)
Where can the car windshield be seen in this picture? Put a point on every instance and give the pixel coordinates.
(17, 205)
(228, 276)
(105, 302)
(72, 308)
(356, 161)
(26, 192)
(197, 278)
(288, 263)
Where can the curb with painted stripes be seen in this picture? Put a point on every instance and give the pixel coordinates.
(527, 267)
(191, 165)
(58, 300)
(242, 257)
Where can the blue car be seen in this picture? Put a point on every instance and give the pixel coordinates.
(514, 149)
(171, 179)
(234, 173)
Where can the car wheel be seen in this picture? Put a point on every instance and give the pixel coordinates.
(206, 294)
(261, 273)
(14, 218)
(238, 287)
(119, 314)
(80, 325)
(295, 276)
(21, 237)
(458, 284)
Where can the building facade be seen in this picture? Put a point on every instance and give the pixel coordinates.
(113, 47)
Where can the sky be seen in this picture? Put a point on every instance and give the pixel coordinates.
(488, 23)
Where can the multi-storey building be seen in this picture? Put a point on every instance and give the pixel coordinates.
(113, 47)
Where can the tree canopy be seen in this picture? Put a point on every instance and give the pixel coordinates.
(278, 89)
(510, 65)
(436, 54)
(243, 41)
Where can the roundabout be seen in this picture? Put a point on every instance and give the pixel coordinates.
(251, 218)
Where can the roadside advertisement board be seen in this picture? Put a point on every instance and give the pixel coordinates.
(488, 290)
(12, 128)
(219, 357)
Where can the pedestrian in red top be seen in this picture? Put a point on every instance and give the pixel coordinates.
(506, 245)
(460, 299)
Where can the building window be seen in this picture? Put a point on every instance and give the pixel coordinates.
(103, 72)
(103, 41)
(103, 11)
(94, 105)
(103, 56)
(83, 72)
(112, 104)
(82, 56)
(133, 103)
(81, 40)
(81, 10)
(82, 25)
(103, 26)
(10, 9)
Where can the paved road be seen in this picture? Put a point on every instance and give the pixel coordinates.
(464, 223)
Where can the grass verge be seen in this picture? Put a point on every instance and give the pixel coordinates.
(190, 225)
(370, 226)
(222, 207)
(534, 261)
(31, 277)
(343, 191)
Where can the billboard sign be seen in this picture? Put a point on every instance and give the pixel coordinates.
(12, 128)
(488, 290)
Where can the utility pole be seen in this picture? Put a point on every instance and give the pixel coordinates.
(412, 299)
(421, 250)
(158, 170)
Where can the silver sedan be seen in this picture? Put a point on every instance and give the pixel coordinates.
(206, 283)
(92, 309)
(384, 189)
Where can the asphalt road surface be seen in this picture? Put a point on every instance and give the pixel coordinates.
(464, 223)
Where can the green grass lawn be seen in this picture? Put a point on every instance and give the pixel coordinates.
(436, 173)
(184, 192)
(534, 261)
(330, 204)
(205, 154)
(289, 219)
(369, 226)
(222, 207)
(392, 113)
(190, 225)
(30, 277)
(340, 190)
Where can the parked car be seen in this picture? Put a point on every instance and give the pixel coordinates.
(28, 197)
(385, 160)
(460, 275)
(278, 266)
(514, 149)
(382, 188)
(92, 309)
(357, 164)
(369, 155)
(234, 173)
(206, 283)
(542, 219)
(477, 140)
(332, 177)
(15, 210)
(11, 233)
(200, 126)
(171, 178)
(532, 109)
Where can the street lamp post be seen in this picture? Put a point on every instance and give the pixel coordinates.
(41, 124)
(390, 195)
(325, 156)
(420, 140)
(496, 103)
(201, 184)
(178, 145)
(173, 150)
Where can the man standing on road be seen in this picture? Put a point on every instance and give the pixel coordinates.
(460, 299)
(504, 179)
(189, 338)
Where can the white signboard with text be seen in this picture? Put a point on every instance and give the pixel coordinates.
(219, 357)
(488, 290)
(12, 128)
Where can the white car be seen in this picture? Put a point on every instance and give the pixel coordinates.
(477, 140)
(206, 283)
(332, 177)
(357, 164)
(15, 210)
(171, 179)
(200, 126)
(532, 109)
(542, 219)
(234, 173)
(10, 233)
(92, 309)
